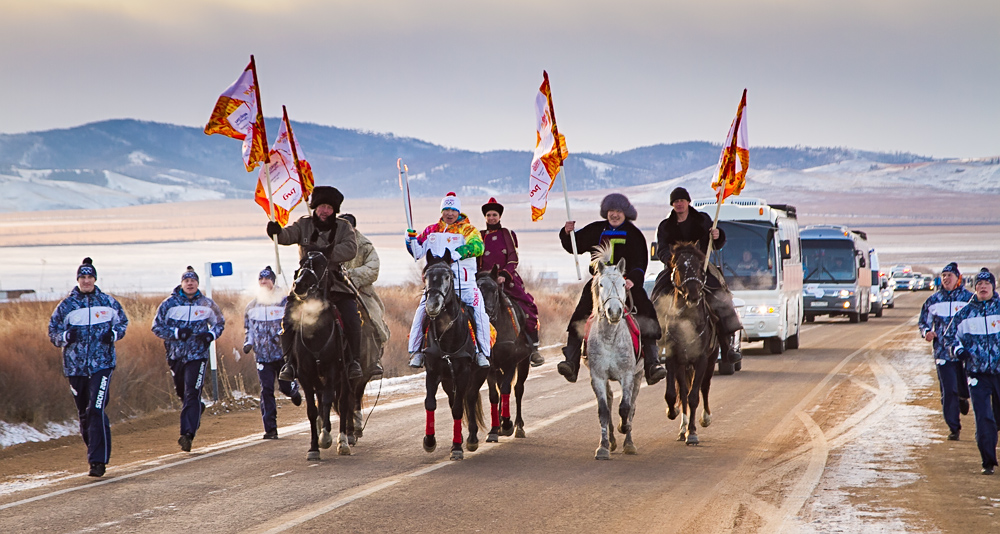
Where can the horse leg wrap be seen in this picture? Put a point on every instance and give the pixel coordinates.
(505, 405)
(429, 431)
(457, 440)
(495, 414)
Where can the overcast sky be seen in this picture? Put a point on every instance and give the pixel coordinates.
(918, 76)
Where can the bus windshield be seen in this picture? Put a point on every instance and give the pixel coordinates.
(828, 260)
(748, 259)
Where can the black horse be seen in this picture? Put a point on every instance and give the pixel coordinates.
(689, 342)
(509, 357)
(371, 353)
(449, 356)
(318, 352)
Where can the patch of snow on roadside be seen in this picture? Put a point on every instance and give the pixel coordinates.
(23, 433)
(881, 457)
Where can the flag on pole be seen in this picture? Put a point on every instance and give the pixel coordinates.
(735, 158)
(290, 173)
(550, 151)
(237, 114)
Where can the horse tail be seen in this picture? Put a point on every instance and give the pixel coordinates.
(477, 408)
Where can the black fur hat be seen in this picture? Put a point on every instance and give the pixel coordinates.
(325, 194)
(618, 201)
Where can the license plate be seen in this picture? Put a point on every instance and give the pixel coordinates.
(818, 304)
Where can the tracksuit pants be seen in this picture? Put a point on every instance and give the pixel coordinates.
(91, 396)
(954, 386)
(189, 378)
(267, 372)
(470, 295)
(985, 390)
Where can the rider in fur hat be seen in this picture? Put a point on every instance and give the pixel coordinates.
(627, 242)
(322, 228)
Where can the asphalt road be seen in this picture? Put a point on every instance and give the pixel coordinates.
(774, 424)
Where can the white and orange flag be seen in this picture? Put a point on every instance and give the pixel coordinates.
(291, 176)
(237, 114)
(735, 158)
(550, 151)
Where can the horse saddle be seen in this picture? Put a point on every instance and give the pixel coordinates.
(633, 330)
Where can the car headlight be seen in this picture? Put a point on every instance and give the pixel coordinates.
(844, 293)
(761, 310)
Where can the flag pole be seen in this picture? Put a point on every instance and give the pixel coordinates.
(267, 163)
(562, 175)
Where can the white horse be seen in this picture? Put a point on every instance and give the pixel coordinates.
(610, 355)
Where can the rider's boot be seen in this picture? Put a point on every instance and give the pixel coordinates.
(482, 361)
(571, 365)
(354, 371)
(287, 372)
(651, 362)
(535, 357)
(416, 359)
(377, 368)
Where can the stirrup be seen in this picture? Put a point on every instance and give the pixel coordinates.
(287, 373)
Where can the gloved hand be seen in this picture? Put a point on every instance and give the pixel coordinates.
(410, 232)
(183, 333)
(964, 355)
(273, 229)
(108, 337)
(204, 340)
(464, 250)
(71, 335)
(247, 348)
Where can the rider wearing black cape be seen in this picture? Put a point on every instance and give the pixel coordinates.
(626, 241)
(686, 224)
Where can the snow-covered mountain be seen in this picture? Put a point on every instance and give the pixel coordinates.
(128, 162)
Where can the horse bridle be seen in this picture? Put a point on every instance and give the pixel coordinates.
(623, 300)
(308, 267)
(444, 297)
(698, 276)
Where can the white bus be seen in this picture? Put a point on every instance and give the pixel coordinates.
(762, 264)
(838, 277)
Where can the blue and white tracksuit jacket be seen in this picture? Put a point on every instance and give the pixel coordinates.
(198, 313)
(262, 322)
(90, 316)
(937, 312)
(976, 329)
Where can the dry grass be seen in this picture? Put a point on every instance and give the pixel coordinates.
(33, 389)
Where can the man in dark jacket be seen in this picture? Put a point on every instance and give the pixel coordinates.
(626, 241)
(322, 228)
(86, 325)
(686, 224)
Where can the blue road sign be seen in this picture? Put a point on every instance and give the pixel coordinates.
(224, 268)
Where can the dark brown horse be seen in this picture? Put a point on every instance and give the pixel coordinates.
(509, 362)
(689, 342)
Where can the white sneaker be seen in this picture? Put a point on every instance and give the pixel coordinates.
(416, 360)
(482, 360)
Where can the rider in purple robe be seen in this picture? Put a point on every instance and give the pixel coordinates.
(501, 251)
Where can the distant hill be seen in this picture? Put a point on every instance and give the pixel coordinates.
(127, 162)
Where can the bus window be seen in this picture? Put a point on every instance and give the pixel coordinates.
(748, 259)
(828, 260)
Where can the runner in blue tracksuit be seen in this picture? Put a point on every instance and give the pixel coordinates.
(935, 316)
(974, 336)
(188, 322)
(86, 325)
(262, 322)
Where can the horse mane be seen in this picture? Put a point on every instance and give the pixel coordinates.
(688, 247)
(600, 255)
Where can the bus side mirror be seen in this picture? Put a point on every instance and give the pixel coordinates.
(786, 249)
(652, 252)
(861, 261)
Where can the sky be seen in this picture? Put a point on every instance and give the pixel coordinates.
(917, 76)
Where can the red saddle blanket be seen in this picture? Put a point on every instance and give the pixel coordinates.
(633, 329)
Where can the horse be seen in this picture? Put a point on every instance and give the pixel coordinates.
(610, 353)
(689, 343)
(318, 350)
(509, 357)
(449, 356)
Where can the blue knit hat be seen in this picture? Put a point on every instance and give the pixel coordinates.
(267, 273)
(951, 268)
(189, 273)
(86, 269)
(985, 274)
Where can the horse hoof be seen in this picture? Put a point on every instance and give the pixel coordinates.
(519, 432)
(692, 439)
(344, 449)
(358, 433)
(325, 440)
(430, 443)
(602, 454)
(312, 456)
(671, 414)
(681, 437)
(352, 440)
(506, 428)
(629, 448)
(472, 445)
(493, 438)
(614, 446)
(706, 419)
(457, 455)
